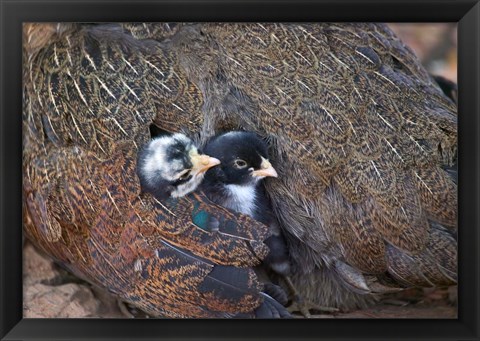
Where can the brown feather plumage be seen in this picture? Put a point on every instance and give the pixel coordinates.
(358, 132)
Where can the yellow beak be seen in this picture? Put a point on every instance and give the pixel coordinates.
(266, 169)
(201, 163)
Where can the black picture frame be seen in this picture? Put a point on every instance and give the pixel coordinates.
(14, 13)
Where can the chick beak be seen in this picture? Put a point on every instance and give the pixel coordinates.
(201, 163)
(266, 169)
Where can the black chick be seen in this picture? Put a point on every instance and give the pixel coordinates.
(236, 184)
(171, 165)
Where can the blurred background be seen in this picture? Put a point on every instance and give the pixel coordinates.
(435, 44)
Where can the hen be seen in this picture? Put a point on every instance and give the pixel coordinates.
(359, 133)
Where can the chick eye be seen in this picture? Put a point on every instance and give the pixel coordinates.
(239, 163)
(184, 175)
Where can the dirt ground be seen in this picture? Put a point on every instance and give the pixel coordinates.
(414, 303)
(49, 291)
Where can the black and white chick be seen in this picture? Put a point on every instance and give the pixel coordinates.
(171, 166)
(237, 184)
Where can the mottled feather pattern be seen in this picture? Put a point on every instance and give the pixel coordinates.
(116, 239)
(358, 132)
(86, 203)
(373, 127)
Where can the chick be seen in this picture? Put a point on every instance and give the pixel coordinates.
(236, 184)
(171, 166)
